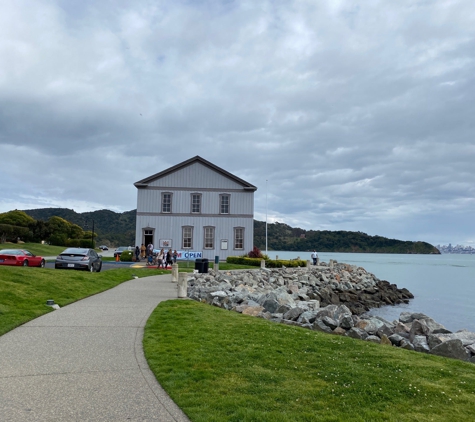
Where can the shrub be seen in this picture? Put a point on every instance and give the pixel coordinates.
(270, 263)
(126, 256)
(244, 260)
(255, 253)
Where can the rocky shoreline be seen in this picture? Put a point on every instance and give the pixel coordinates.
(333, 299)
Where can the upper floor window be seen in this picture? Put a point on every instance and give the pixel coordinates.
(196, 203)
(224, 204)
(166, 202)
(209, 237)
(239, 238)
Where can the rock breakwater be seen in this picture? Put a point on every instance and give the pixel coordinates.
(332, 300)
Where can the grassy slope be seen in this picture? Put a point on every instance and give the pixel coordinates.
(24, 291)
(35, 248)
(223, 366)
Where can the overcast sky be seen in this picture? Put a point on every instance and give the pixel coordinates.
(359, 114)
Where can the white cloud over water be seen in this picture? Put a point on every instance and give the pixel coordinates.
(359, 114)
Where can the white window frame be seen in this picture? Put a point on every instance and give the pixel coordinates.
(238, 241)
(208, 237)
(164, 194)
(187, 237)
(193, 203)
(221, 204)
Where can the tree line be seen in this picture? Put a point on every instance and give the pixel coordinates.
(57, 225)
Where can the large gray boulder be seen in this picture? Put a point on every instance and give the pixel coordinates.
(451, 349)
(420, 344)
(357, 333)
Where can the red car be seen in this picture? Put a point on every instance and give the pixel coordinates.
(20, 257)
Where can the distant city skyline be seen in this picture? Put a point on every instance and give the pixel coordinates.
(455, 249)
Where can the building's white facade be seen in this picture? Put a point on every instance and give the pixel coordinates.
(196, 206)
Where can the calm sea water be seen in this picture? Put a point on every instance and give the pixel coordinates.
(443, 285)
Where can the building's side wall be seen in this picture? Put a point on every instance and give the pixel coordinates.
(195, 175)
(241, 202)
(200, 179)
(170, 228)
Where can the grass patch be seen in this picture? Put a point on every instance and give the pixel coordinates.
(24, 290)
(35, 248)
(223, 366)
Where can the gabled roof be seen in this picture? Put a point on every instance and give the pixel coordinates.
(145, 182)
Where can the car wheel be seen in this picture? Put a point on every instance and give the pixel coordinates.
(100, 268)
(42, 263)
(25, 263)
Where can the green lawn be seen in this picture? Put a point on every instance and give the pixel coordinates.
(24, 290)
(223, 366)
(35, 248)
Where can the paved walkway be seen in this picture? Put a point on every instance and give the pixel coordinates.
(85, 362)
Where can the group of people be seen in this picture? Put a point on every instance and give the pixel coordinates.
(161, 259)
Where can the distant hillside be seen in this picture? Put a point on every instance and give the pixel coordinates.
(281, 237)
(113, 229)
(116, 229)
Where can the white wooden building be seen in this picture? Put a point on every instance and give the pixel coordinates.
(196, 206)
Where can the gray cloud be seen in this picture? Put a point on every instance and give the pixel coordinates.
(359, 115)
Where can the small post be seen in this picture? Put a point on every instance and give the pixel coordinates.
(308, 263)
(263, 263)
(216, 263)
(182, 285)
(331, 264)
(318, 261)
(174, 272)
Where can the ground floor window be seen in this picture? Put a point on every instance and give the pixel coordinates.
(187, 237)
(238, 238)
(209, 237)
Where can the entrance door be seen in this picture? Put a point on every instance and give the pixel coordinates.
(148, 237)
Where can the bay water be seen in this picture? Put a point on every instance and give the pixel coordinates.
(443, 285)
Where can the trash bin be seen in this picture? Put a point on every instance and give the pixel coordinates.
(205, 265)
(199, 265)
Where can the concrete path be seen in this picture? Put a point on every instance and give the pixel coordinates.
(85, 362)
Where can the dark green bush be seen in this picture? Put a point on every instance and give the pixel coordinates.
(270, 263)
(126, 256)
(243, 260)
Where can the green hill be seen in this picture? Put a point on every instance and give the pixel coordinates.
(115, 229)
(281, 237)
(112, 228)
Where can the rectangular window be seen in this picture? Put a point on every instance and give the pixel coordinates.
(209, 238)
(196, 203)
(238, 238)
(166, 202)
(187, 237)
(224, 204)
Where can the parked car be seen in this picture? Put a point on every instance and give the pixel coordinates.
(103, 248)
(121, 249)
(20, 257)
(79, 259)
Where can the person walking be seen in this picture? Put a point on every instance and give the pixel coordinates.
(314, 257)
(175, 256)
(142, 251)
(169, 257)
(137, 254)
